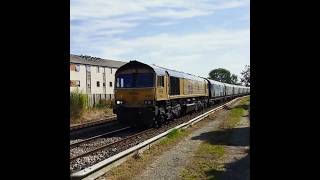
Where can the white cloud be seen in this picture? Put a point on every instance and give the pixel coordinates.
(97, 26)
(216, 47)
(103, 8)
(122, 15)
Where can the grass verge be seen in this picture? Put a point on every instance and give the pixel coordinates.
(80, 112)
(92, 114)
(208, 162)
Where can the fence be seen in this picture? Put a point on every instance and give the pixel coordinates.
(94, 99)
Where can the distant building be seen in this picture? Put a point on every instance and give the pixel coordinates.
(91, 75)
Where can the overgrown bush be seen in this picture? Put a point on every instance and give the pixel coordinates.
(78, 104)
(105, 103)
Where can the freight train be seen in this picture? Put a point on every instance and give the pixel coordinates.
(148, 95)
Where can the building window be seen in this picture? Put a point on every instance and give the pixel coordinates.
(98, 69)
(110, 84)
(111, 70)
(72, 67)
(74, 83)
(77, 68)
(104, 84)
(160, 82)
(88, 68)
(98, 84)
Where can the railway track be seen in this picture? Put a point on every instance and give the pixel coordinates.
(93, 123)
(97, 149)
(107, 145)
(87, 133)
(72, 145)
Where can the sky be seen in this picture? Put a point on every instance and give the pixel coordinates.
(184, 35)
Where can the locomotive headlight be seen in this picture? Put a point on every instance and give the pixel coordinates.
(119, 102)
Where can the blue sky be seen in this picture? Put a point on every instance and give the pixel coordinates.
(186, 35)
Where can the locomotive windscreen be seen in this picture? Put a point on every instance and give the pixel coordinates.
(135, 80)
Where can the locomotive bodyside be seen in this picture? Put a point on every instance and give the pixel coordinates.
(147, 94)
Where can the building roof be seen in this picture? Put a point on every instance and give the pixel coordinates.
(95, 61)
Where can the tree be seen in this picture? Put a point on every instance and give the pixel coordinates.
(221, 75)
(234, 79)
(246, 76)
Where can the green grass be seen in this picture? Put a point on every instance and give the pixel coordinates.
(104, 103)
(79, 107)
(236, 113)
(206, 158)
(78, 104)
(234, 118)
(173, 136)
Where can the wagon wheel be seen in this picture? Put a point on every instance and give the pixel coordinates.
(162, 118)
(156, 123)
(159, 121)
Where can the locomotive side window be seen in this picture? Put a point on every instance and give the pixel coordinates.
(174, 86)
(160, 82)
(121, 82)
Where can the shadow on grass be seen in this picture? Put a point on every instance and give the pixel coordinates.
(243, 106)
(221, 137)
(237, 170)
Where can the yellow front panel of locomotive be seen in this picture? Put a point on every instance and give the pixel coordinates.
(134, 97)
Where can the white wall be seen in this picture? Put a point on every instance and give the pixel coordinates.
(80, 76)
(110, 77)
(95, 76)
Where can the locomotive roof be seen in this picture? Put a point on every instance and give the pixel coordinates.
(162, 71)
(174, 73)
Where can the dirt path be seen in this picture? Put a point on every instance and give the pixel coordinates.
(170, 164)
